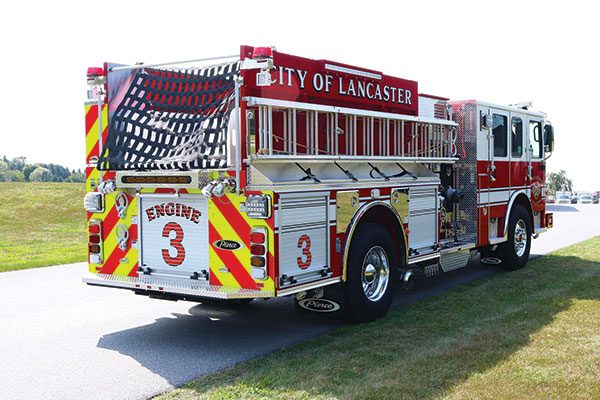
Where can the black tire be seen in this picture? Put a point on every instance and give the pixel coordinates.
(375, 241)
(512, 260)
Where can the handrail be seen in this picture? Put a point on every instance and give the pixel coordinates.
(261, 101)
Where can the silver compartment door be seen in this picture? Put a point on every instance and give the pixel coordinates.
(174, 243)
(423, 217)
(303, 237)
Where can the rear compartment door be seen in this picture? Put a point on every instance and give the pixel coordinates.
(174, 235)
(303, 237)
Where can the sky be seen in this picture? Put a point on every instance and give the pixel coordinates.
(500, 52)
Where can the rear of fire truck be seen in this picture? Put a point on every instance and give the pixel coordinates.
(226, 181)
(164, 202)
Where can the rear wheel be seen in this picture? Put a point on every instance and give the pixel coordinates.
(371, 277)
(514, 253)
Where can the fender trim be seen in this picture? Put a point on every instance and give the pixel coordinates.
(354, 224)
(511, 201)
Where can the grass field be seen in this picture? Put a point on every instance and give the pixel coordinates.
(41, 224)
(529, 334)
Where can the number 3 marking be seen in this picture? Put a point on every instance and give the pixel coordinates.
(304, 244)
(175, 243)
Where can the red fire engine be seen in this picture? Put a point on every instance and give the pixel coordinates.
(265, 175)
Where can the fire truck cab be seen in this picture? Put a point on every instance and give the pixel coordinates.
(272, 175)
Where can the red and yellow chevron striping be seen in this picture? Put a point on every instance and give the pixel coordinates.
(229, 269)
(226, 221)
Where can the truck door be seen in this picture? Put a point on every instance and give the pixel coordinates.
(535, 165)
(499, 176)
(519, 159)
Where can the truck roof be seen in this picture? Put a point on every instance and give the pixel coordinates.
(510, 108)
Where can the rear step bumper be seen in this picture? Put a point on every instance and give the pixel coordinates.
(186, 287)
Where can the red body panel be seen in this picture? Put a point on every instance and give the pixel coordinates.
(313, 81)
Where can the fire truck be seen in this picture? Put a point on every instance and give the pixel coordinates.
(264, 174)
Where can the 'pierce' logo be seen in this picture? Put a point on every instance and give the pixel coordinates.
(319, 305)
(224, 244)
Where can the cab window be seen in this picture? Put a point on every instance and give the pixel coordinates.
(499, 130)
(535, 138)
(516, 137)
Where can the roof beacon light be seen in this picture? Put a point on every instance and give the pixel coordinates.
(262, 58)
(262, 53)
(93, 72)
(95, 76)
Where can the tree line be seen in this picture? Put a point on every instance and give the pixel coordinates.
(19, 170)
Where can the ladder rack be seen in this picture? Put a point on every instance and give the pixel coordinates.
(287, 130)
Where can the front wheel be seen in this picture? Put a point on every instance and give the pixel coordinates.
(371, 277)
(515, 251)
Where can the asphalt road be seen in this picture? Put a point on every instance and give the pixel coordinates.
(61, 339)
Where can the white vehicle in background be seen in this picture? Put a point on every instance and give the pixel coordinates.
(563, 198)
(585, 198)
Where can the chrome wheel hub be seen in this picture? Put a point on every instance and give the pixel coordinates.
(375, 274)
(520, 238)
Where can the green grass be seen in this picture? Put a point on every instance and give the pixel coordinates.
(529, 334)
(41, 224)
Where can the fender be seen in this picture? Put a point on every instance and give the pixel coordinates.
(355, 222)
(511, 201)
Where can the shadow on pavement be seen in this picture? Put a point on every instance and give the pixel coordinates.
(218, 335)
(215, 336)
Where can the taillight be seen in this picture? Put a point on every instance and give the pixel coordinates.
(95, 241)
(258, 252)
(258, 262)
(257, 237)
(94, 229)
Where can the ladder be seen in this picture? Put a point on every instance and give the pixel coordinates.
(295, 130)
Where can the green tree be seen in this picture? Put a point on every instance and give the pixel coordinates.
(28, 170)
(76, 176)
(11, 175)
(18, 170)
(17, 163)
(59, 173)
(41, 174)
(558, 181)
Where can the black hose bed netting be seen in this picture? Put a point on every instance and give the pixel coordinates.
(172, 119)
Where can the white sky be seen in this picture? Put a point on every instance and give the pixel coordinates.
(506, 52)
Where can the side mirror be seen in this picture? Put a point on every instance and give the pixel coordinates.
(548, 138)
(487, 122)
